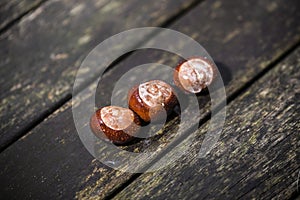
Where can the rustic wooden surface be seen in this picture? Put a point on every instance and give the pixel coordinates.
(46, 48)
(12, 10)
(50, 161)
(257, 155)
(240, 55)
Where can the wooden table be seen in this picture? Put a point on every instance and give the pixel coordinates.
(256, 48)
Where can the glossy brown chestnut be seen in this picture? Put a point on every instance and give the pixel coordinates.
(194, 74)
(117, 123)
(150, 100)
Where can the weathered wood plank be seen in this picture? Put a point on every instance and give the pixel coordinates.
(236, 70)
(257, 155)
(91, 178)
(11, 10)
(40, 56)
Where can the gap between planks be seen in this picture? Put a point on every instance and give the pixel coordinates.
(22, 15)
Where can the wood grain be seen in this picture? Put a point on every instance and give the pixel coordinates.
(39, 57)
(257, 155)
(51, 161)
(11, 10)
(239, 59)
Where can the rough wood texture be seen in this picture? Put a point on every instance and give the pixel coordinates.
(11, 10)
(237, 50)
(233, 34)
(40, 56)
(257, 156)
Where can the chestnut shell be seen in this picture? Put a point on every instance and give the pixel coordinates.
(147, 113)
(99, 128)
(177, 69)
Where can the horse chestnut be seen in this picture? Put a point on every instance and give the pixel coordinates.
(117, 123)
(150, 100)
(194, 74)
